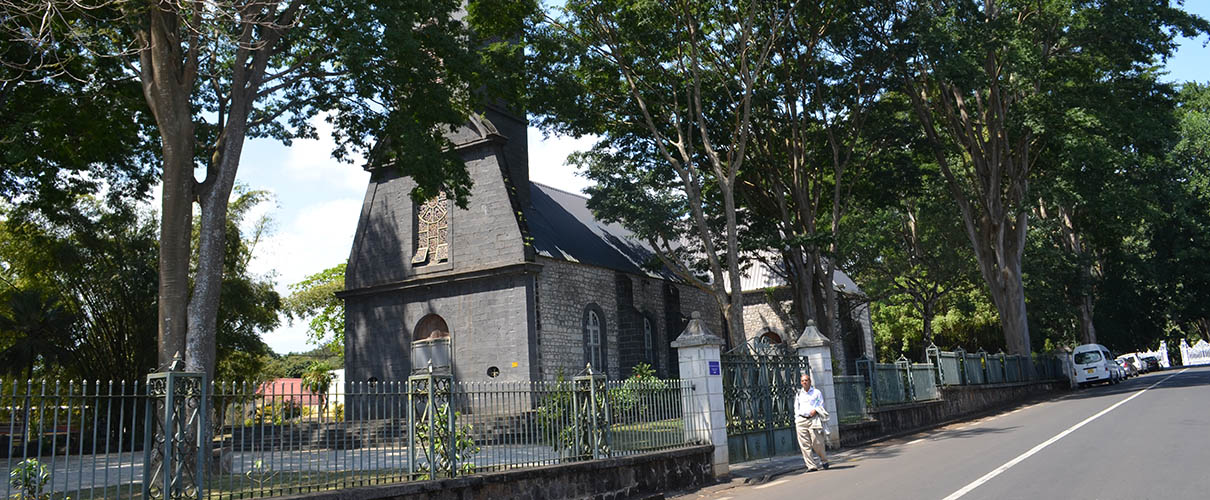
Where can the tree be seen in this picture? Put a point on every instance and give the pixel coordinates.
(318, 379)
(669, 88)
(87, 293)
(988, 79)
(32, 327)
(64, 138)
(823, 128)
(315, 297)
(910, 255)
(393, 75)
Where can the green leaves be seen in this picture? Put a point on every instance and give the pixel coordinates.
(315, 297)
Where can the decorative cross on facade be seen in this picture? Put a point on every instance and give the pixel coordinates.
(432, 231)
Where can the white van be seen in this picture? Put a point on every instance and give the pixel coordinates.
(1094, 365)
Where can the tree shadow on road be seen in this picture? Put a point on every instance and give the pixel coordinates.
(894, 448)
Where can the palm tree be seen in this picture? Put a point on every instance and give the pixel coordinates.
(318, 379)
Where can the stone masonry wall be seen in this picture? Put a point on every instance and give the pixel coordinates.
(761, 317)
(638, 476)
(483, 236)
(487, 318)
(564, 290)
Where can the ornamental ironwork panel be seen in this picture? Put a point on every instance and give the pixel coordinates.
(174, 463)
(431, 427)
(759, 384)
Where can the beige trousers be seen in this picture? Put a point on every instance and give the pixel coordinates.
(810, 439)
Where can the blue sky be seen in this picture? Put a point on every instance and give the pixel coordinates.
(317, 199)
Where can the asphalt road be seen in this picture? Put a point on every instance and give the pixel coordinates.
(1148, 437)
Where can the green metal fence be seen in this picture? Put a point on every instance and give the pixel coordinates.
(759, 384)
(899, 382)
(850, 398)
(94, 440)
(904, 381)
(960, 368)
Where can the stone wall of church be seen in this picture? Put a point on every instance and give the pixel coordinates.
(483, 236)
(489, 325)
(566, 289)
(760, 316)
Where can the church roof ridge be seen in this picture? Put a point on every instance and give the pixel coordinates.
(564, 191)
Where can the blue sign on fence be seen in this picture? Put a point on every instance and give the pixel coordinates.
(715, 369)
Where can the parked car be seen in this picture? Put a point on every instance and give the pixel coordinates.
(1128, 368)
(1153, 363)
(1136, 365)
(1094, 364)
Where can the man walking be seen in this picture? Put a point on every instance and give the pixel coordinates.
(809, 418)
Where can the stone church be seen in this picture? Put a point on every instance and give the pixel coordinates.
(525, 284)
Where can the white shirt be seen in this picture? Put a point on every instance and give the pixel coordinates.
(806, 401)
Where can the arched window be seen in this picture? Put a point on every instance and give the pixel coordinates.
(431, 327)
(770, 338)
(648, 340)
(595, 338)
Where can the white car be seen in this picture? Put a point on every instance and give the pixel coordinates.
(1135, 362)
(1094, 364)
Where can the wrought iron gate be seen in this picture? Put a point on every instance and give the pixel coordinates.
(759, 381)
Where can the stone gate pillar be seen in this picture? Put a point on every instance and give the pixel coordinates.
(817, 349)
(699, 351)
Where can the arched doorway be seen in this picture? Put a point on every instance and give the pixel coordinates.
(769, 338)
(431, 327)
(431, 345)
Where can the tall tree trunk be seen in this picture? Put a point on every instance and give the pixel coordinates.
(1088, 331)
(167, 76)
(735, 309)
(1008, 294)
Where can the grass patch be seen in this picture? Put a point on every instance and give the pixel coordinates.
(240, 486)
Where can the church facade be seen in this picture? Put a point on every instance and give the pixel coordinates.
(525, 284)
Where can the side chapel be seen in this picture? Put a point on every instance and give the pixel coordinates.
(525, 284)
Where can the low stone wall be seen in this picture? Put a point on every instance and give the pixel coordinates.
(635, 476)
(956, 402)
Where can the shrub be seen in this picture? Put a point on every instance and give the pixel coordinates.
(29, 477)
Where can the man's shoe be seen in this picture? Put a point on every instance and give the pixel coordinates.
(826, 465)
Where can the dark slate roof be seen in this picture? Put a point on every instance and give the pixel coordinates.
(564, 228)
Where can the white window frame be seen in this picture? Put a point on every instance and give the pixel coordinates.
(593, 328)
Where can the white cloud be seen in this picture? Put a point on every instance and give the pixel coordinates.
(311, 160)
(548, 158)
(316, 238)
(319, 236)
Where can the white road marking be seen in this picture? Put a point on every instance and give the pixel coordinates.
(769, 485)
(999, 470)
(918, 440)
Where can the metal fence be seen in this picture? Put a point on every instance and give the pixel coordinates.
(899, 382)
(759, 384)
(92, 440)
(850, 398)
(904, 381)
(961, 368)
(85, 437)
